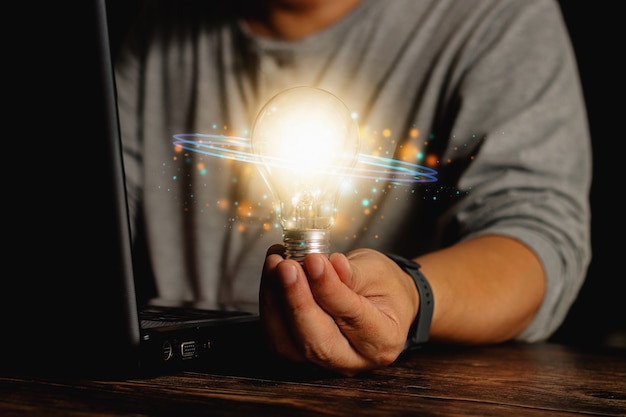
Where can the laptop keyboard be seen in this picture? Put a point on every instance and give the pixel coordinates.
(159, 316)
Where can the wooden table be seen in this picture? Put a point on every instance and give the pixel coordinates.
(503, 380)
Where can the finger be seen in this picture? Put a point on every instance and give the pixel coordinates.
(330, 286)
(315, 332)
(276, 249)
(341, 264)
(366, 321)
(277, 332)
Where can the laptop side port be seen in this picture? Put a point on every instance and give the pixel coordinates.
(188, 349)
(167, 351)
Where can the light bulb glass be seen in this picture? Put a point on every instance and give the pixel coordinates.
(307, 142)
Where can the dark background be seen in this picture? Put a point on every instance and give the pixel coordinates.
(599, 314)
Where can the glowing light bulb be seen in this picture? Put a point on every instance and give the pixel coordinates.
(307, 142)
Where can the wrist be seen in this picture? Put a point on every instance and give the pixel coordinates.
(420, 328)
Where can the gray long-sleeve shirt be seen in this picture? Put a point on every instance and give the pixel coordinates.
(486, 92)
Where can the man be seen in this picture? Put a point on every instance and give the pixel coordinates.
(486, 92)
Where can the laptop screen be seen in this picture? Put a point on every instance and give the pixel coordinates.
(70, 296)
(72, 303)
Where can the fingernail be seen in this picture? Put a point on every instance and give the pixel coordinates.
(288, 274)
(315, 266)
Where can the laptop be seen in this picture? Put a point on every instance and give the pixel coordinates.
(69, 297)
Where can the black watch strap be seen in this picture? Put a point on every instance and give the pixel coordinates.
(420, 329)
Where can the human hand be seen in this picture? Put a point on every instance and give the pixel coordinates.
(347, 313)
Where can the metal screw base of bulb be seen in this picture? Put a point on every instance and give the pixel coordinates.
(299, 243)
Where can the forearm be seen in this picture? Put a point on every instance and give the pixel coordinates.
(486, 290)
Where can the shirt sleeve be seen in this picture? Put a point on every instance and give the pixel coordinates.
(520, 98)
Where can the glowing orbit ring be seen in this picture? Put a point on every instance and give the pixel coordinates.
(367, 167)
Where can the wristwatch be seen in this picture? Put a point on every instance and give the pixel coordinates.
(420, 328)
